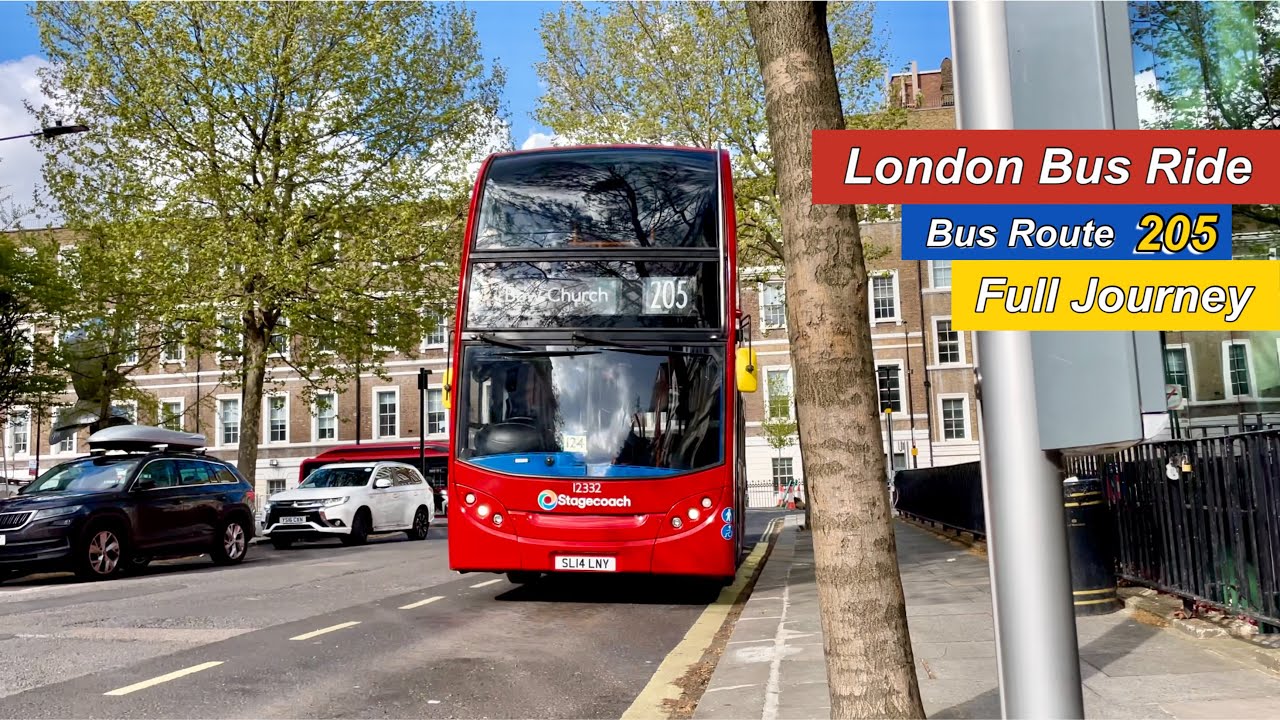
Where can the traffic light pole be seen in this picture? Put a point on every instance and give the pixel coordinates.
(1036, 646)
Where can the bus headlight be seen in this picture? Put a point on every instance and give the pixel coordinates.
(497, 519)
(470, 499)
(694, 514)
(483, 511)
(706, 502)
(677, 523)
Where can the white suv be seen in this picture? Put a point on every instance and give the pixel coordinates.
(352, 501)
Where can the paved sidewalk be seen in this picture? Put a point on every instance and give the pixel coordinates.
(773, 665)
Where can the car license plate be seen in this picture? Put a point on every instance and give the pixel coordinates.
(293, 520)
(587, 563)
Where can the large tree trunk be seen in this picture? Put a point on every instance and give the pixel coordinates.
(253, 378)
(870, 667)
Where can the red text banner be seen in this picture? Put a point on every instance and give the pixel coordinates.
(1061, 167)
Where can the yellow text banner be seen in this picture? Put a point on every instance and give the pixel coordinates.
(1116, 295)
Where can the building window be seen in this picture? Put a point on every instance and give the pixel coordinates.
(778, 386)
(773, 305)
(173, 350)
(889, 380)
(1177, 370)
(940, 273)
(278, 418)
(783, 473)
(439, 335)
(326, 417)
(68, 443)
(388, 409)
(126, 410)
(230, 336)
(129, 345)
(229, 420)
(955, 418)
(435, 411)
(950, 348)
(171, 415)
(20, 431)
(1239, 380)
(884, 297)
(274, 486)
(278, 343)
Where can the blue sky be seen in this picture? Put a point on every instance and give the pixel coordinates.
(508, 30)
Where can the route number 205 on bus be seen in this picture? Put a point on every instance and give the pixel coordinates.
(595, 391)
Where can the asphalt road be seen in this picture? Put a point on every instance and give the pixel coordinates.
(325, 631)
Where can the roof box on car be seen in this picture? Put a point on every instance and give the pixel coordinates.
(143, 438)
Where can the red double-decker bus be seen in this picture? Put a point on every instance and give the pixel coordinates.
(596, 386)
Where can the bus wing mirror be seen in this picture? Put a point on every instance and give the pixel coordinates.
(446, 393)
(748, 370)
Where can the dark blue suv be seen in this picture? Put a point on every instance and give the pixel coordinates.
(107, 513)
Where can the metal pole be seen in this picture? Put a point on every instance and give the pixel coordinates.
(424, 376)
(1036, 645)
(359, 400)
(911, 414)
(924, 350)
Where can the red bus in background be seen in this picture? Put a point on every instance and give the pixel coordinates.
(595, 386)
(434, 468)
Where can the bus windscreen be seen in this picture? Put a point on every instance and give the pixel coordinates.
(557, 411)
(652, 198)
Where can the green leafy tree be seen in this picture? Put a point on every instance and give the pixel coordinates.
(263, 174)
(686, 73)
(779, 432)
(1216, 66)
(31, 293)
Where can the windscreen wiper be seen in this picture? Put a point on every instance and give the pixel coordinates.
(593, 340)
(491, 340)
(635, 349)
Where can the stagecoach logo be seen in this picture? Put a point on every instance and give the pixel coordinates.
(547, 500)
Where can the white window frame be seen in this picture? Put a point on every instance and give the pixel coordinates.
(373, 331)
(1191, 373)
(10, 427)
(28, 331)
(871, 298)
(902, 385)
(932, 284)
(132, 405)
(443, 323)
(266, 419)
(179, 359)
(937, 345)
(427, 413)
(282, 328)
(134, 357)
(218, 418)
(315, 417)
(1226, 370)
(791, 389)
(377, 412)
(75, 436)
(760, 290)
(182, 411)
(942, 422)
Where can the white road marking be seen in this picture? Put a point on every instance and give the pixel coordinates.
(321, 631)
(164, 678)
(420, 603)
(487, 582)
(773, 687)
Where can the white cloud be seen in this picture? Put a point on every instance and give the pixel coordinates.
(539, 140)
(20, 162)
(1146, 82)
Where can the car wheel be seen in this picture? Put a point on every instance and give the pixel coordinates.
(523, 577)
(280, 543)
(359, 528)
(421, 522)
(100, 553)
(231, 543)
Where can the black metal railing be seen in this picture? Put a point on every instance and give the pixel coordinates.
(1199, 518)
(950, 495)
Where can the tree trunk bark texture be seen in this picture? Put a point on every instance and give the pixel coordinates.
(253, 380)
(870, 667)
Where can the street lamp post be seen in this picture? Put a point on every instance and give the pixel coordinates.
(55, 130)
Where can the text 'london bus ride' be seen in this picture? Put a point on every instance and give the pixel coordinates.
(595, 390)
